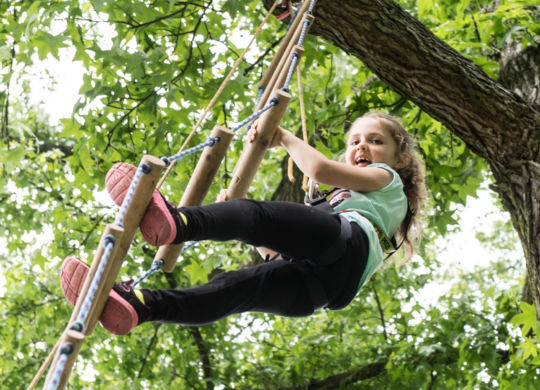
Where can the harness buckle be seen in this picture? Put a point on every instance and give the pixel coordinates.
(313, 188)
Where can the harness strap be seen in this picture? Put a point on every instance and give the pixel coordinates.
(334, 252)
(388, 244)
(337, 249)
(319, 299)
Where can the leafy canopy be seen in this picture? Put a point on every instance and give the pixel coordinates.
(150, 69)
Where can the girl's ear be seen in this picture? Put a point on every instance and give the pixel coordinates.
(404, 160)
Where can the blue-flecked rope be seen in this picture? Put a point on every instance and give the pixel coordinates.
(311, 6)
(141, 170)
(78, 324)
(108, 246)
(256, 114)
(64, 352)
(303, 33)
(294, 56)
(290, 72)
(156, 266)
(211, 141)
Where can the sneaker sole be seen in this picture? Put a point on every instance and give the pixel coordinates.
(118, 316)
(157, 226)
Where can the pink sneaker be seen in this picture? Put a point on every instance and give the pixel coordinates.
(123, 310)
(158, 225)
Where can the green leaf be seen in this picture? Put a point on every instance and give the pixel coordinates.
(48, 44)
(197, 273)
(5, 53)
(529, 348)
(527, 318)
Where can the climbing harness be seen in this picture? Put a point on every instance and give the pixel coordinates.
(388, 244)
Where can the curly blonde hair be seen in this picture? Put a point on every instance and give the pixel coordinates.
(412, 176)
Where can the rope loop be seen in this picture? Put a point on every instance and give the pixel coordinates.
(166, 160)
(146, 169)
(109, 239)
(67, 349)
(156, 266)
(212, 141)
(159, 263)
(77, 326)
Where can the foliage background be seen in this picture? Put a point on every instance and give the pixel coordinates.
(149, 69)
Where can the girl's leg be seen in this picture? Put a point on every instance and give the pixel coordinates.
(292, 229)
(278, 287)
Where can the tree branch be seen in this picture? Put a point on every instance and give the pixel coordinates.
(380, 309)
(369, 371)
(204, 355)
(151, 344)
(416, 64)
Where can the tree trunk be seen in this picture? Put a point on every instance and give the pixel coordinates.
(494, 122)
(520, 73)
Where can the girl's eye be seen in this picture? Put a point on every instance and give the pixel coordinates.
(355, 142)
(376, 141)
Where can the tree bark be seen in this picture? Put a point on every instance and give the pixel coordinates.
(520, 73)
(493, 121)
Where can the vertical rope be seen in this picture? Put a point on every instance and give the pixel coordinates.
(290, 72)
(142, 169)
(90, 295)
(303, 117)
(311, 6)
(64, 353)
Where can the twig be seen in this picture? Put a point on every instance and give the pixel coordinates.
(381, 313)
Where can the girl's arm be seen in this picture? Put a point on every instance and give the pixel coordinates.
(323, 170)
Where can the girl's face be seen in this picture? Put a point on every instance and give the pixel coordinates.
(369, 142)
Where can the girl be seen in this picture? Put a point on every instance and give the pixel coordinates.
(325, 257)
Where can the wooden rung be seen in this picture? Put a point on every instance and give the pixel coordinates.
(289, 36)
(117, 233)
(75, 339)
(134, 214)
(273, 84)
(105, 284)
(198, 187)
(141, 198)
(253, 152)
(123, 237)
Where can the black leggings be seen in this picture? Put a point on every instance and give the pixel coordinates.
(289, 288)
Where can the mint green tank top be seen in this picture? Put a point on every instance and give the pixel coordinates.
(386, 208)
